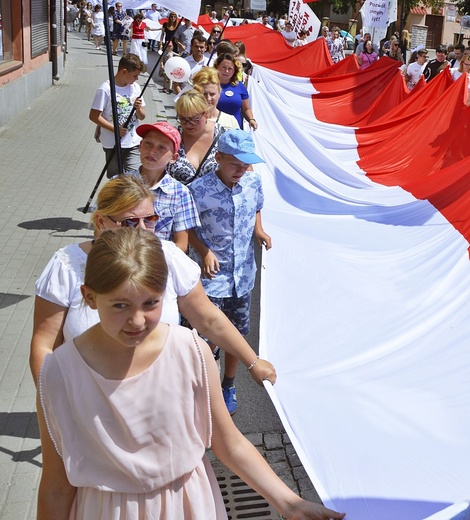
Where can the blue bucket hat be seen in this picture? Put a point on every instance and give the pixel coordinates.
(239, 144)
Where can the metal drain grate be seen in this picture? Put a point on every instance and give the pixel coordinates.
(241, 502)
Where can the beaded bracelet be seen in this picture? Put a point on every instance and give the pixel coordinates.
(253, 364)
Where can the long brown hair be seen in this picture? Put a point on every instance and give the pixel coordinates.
(172, 16)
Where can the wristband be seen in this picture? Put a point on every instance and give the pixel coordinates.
(253, 364)
(252, 119)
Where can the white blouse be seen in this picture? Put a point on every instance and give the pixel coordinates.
(63, 276)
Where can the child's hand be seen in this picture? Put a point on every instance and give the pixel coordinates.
(263, 239)
(138, 103)
(122, 131)
(210, 265)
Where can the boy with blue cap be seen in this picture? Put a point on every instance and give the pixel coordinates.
(229, 202)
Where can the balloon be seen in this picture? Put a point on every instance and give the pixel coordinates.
(178, 69)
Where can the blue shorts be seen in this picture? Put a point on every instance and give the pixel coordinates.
(237, 311)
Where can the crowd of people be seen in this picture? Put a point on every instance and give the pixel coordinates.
(418, 64)
(129, 399)
(134, 396)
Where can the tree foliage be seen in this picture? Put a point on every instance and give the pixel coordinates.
(353, 6)
(463, 6)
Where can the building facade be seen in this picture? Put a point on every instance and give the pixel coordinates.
(32, 42)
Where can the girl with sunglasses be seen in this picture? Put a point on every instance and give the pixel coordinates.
(216, 33)
(168, 31)
(59, 312)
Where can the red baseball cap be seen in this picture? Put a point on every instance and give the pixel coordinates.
(165, 128)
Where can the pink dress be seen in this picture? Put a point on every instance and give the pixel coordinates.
(135, 448)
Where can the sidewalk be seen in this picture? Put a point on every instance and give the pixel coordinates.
(50, 163)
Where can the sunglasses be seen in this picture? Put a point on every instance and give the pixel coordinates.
(216, 32)
(189, 120)
(150, 221)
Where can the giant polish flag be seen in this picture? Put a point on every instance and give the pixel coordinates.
(365, 295)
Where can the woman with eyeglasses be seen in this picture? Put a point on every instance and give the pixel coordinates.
(463, 68)
(199, 136)
(394, 52)
(210, 50)
(234, 98)
(216, 33)
(59, 312)
(415, 67)
(168, 31)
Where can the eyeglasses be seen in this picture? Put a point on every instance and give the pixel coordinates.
(150, 221)
(189, 120)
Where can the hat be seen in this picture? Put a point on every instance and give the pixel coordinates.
(239, 144)
(165, 128)
(441, 48)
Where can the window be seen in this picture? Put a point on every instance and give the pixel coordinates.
(6, 41)
(39, 27)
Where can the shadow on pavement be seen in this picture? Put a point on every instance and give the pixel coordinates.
(7, 299)
(55, 224)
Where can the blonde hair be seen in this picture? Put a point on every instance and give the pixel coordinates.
(460, 69)
(206, 76)
(191, 102)
(119, 195)
(126, 254)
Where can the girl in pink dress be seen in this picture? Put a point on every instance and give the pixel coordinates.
(128, 408)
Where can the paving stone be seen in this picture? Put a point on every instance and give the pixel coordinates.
(273, 441)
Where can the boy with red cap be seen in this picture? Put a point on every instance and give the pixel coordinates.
(174, 203)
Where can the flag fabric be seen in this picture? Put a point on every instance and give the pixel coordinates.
(365, 293)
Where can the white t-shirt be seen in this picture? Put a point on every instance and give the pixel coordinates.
(63, 276)
(289, 36)
(414, 70)
(455, 73)
(125, 101)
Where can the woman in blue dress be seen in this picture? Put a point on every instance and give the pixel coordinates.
(234, 98)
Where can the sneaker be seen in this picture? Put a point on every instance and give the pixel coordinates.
(230, 398)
